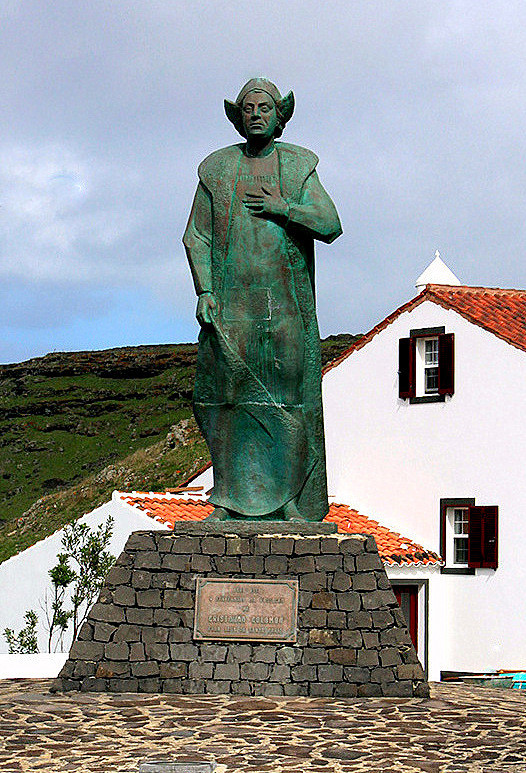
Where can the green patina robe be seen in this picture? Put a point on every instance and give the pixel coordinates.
(257, 396)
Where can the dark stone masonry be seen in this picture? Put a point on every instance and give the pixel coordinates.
(352, 637)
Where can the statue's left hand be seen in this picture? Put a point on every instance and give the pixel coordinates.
(266, 204)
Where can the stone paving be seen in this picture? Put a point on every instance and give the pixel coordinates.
(457, 730)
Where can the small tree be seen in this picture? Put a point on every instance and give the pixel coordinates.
(25, 643)
(62, 575)
(73, 586)
(88, 549)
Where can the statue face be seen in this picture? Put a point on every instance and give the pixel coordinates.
(260, 118)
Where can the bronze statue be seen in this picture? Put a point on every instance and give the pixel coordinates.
(258, 207)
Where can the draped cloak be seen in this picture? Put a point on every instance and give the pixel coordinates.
(257, 395)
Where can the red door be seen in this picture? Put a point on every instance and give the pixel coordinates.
(407, 597)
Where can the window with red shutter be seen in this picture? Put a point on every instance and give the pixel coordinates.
(475, 537)
(406, 368)
(483, 537)
(446, 364)
(468, 536)
(426, 365)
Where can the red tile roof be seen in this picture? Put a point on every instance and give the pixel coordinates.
(501, 312)
(393, 549)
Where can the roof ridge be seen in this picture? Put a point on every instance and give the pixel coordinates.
(407, 306)
(475, 288)
(442, 294)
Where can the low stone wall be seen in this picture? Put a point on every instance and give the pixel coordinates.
(352, 639)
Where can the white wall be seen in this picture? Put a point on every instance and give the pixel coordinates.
(42, 666)
(206, 480)
(24, 578)
(394, 461)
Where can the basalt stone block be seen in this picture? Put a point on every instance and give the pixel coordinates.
(177, 563)
(86, 631)
(226, 672)
(367, 561)
(321, 690)
(323, 637)
(314, 618)
(145, 668)
(367, 658)
(288, 656)
(269, 689)
(302, 565)
(264, 653)
(282, 545)
(157, 651)
(254, 671)
(252, 565)
(107, 613)
(237, 546)
(364, 581)
(117, 651)
(351, 637)
(118, 575)
(201, 564)
(147, 560)
(313, 581)
(315, 656)
(336, 619)
(296, 688)
(214, 546)
(137, 651)
(201, 670)
(227, 565)
(124, 596)
(324, 600)
(87, 650)
(102, 632)
(344, 656)
(213, 652)
(276, 564)
(173, 670)
(167, 617)
(141, 540)
(139, 616)
(141, 579)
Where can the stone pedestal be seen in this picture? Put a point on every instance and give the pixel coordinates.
(352, 639)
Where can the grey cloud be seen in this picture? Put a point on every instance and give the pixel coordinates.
(417, 110)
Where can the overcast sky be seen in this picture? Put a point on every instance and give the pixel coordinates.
(416, 109)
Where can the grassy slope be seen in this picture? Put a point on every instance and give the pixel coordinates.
(76, 426)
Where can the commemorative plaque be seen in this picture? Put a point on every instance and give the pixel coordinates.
(256, 610)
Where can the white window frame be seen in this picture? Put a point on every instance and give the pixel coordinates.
(421, 366)
(451, 536)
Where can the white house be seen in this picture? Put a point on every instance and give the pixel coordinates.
(425, 435)
(425, 421)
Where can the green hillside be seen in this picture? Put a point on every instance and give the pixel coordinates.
(74, 426)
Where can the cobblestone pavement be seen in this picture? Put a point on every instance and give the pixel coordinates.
(458, 730)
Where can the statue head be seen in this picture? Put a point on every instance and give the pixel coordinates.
(260, 108)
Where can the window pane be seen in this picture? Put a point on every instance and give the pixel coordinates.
(431, 352)
(460, 521)
(431, 384)
(461, 550)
